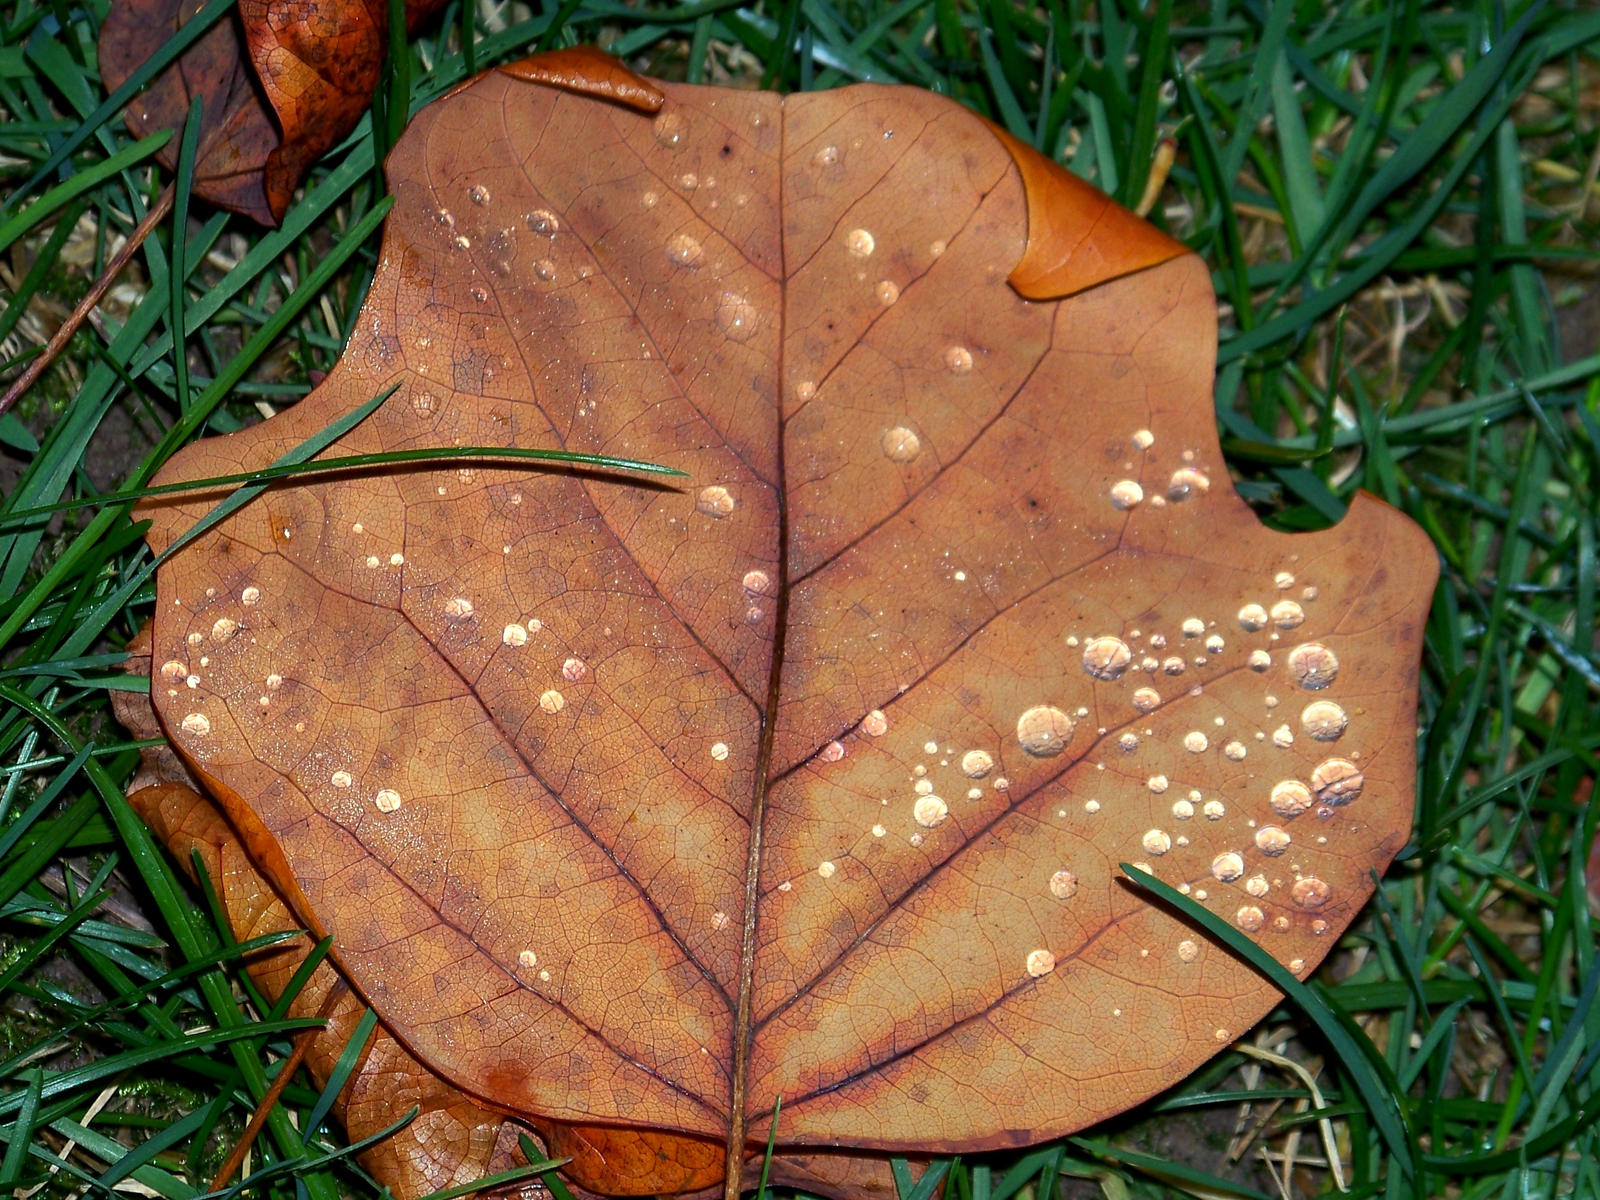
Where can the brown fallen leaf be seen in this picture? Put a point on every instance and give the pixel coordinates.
(647, 807)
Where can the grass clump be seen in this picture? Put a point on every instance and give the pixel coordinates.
(1398, 203)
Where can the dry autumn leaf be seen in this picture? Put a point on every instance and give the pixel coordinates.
(280, 85)
(640, 806)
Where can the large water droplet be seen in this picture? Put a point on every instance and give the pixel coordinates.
(887, 292)
(1126, 494)
(683, 250)
(715, 501)
(1043, 731)
(860, 243)
(669, 129)
(1106, 657)
(736, 316)
(958, 359)
(1337, 781)
(1227, 866)
(1252, 617)
(1310, 892)
(1290, 798)
(1063, 885)
(975, 764)
(1323, 720)
(828, 156)
(1271, 840)
(1313, 666)
(900, 444)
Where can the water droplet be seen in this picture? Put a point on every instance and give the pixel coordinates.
(683, 250)
(930, 811)
(1290, 798)
(1063, 885)
(1286, 614)
(479, 294)
(649, 199)
(197, 724)
(715, 501)
(887, 291)
(574, 670)
(875, 724)
(1257, 885)
(479, 195)
(1173, 665)
(1214, 810)
(757, 583)
(223, 630)
(387, 800)
(1147, 699)
(860, 243)
(1158, 784)
(1227, 866)
(1156, 841)
(1188, 951)
(1195, 742)
(514, 635)
(545, 269)
(1337, 781)
(1271, 840)
(1310, 892)
(719, 751)
(172, 670)
(528, 959)
(1041, 962)
(274, 682)
(669, 129)
(828, 156)
(552, 701)
(1187, 482)
(1283, 580)
(831, 753)
(1126, 494)
(462, 242)
(1323, 720)
(1252, 617)
(341, 779)
(1182, 809)
(900, 444)
(1249, 918)
(737, 317)
(1129, 742)
(1259, 660)
(1234, 751)
(1043, 731)
(958, 359)
(1106, 657)
(1193, 627)
(250, 597)
(975, 764)
(396, 559)
(1313, 666)
(458, 608)
(826, 869)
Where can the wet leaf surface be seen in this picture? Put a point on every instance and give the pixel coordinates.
(648, 806)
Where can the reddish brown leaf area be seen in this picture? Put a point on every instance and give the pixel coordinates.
(280, 82)
(649, 805)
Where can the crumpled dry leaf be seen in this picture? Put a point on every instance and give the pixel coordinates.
(640, 806)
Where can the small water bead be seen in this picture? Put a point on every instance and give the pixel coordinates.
(223, 630)
(1214, 810)
(514, 635)
(1043, 731)
(1173, 665)
(828, 156)
(1040, 962)
(875, 724)
(1257, 886)
(688, 181)
(396, 559)
(860, 243)
(387, 800)
(1323, 720)
(1158, 784)
(528, 959)
(936, 248)
(1188, 951)
(1283, 581)
(975, 764)
(172, 670)
(1146, 699)
(923, 787)
(757, 583)
(958, 359)
(1156, 841)
(826, 869)
(552, 702)
(480, 294)
(479, 195)
(1271, 840)
(900, 444)
(1126, 494)
(737, 317)
(1193, 627)
(1310, 892)
(574, 670)
(1106, 657)
(669, 129)
(545, 269)
(1128, 742)
(1063, 885)
(1249, 918)
(1182, 809)
(1234, 751)
(1259, 660)
(1286, 614)
(887, 291)
(197, 724)
(1143, 439)
(649, 199)
(250, 597)
(1337, 781)
(458, 608)
(1195, 742)
(1283, 737)
(1252, 617)
(1187, 482)
(831, 753)
(274, 682)
(715, 501)
(341, 779)
(1313, 666)
(683, 250)
(1227, 866)
(930, 811)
